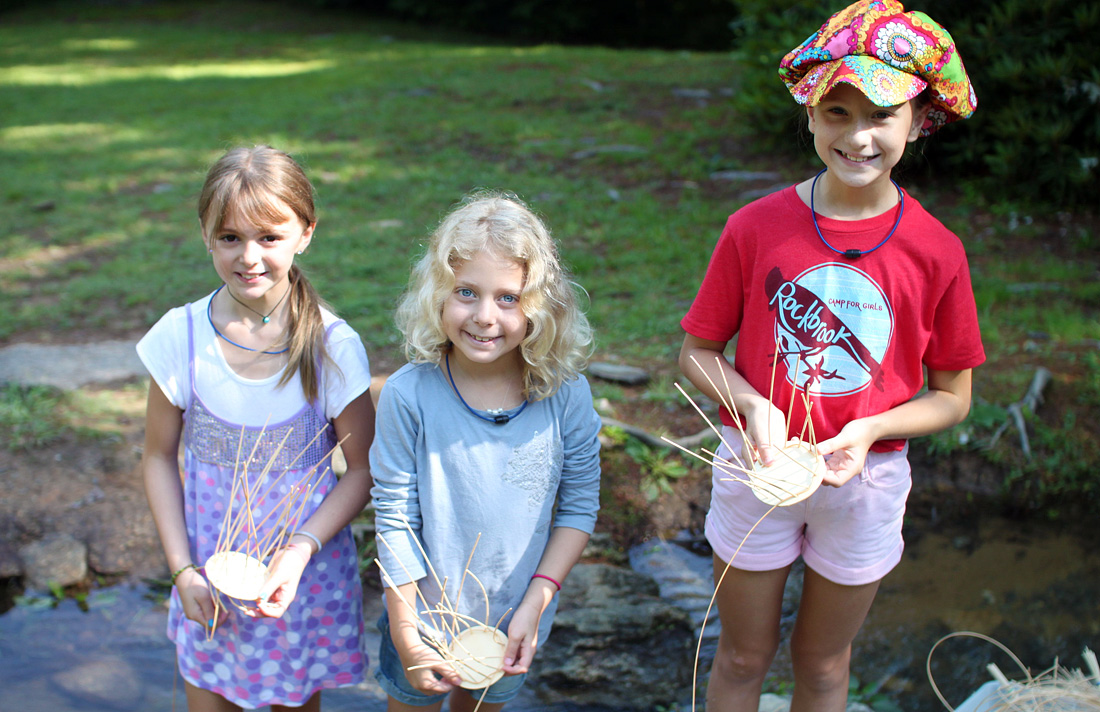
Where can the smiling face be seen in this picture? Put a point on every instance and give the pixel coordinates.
(858, 141)
(482, 316)
(254, 261)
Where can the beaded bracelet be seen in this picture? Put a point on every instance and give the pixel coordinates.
(177, 574)
(544, 576)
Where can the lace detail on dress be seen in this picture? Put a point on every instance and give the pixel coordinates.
(214, 441)
(535, 466)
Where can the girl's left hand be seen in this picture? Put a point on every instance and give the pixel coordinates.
(523, 632)
(846, 453)
(283, 574)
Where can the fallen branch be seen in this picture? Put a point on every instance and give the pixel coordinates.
(1031, 400)
(690, 442)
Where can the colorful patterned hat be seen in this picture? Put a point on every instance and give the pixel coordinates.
(888, 54)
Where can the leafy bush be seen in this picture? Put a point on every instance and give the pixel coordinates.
(676, 24)
(1035, 137)
(1036, 69)
(765, 31)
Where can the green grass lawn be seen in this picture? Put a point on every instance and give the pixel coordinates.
(110, 115)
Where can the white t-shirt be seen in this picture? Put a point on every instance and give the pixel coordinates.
(245, 401)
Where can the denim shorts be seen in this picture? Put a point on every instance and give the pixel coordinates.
(391, 677)
(851, 535)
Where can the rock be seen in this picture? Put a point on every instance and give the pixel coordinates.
(603, 548)
(782, 703)
(619, 373)
(613, 634)
(621, 149)
(774, 703)
(744, 176)
(686, 93)
(105, 683)
(10, 564)
(69, 366)
(56, 558)
(686, 581)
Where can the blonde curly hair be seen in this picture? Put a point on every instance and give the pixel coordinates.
(558, 343)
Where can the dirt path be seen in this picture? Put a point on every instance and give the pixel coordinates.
(69, 366)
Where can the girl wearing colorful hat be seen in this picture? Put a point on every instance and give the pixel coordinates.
(860, 299)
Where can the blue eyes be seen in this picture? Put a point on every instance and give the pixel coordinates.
(467, 293)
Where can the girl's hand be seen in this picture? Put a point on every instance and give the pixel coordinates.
(766, 428)
(197, 601)
(427, 664)
(523, 633)
(846, 453)
(283, 574)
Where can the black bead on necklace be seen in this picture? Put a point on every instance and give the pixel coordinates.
(854, 253)
(498, 419)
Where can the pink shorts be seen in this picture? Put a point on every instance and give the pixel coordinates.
(851, 535)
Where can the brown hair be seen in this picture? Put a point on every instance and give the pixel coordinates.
(255, 181)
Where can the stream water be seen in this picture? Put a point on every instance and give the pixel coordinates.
(1033, 588)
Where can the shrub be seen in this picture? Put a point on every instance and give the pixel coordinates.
(672, 24)
(1035, 137)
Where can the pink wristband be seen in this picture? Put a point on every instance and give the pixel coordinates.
(544, 576)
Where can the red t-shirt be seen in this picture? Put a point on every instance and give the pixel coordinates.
(858, 329)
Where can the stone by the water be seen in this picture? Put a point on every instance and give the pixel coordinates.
(618, 373)
(612, 634)
(55, 559)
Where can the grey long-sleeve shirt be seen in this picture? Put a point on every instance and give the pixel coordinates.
(452, 476)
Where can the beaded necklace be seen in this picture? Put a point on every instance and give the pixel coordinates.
(854, 253)
(498, 419)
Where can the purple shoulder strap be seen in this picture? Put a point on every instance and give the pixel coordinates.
(190, 346)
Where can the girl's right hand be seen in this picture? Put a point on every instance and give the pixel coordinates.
(766, 428)
(197, 601)
(426, 663)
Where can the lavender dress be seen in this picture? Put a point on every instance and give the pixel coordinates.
(317, 643)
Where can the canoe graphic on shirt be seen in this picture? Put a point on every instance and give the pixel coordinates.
(814, 327)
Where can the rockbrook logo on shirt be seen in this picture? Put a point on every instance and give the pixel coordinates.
(834, 320)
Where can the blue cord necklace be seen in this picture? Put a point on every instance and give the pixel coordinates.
(854, 253)
(210, 318)
(499, 419)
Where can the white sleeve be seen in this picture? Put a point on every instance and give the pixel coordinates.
(351, 379)
(163, 350)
